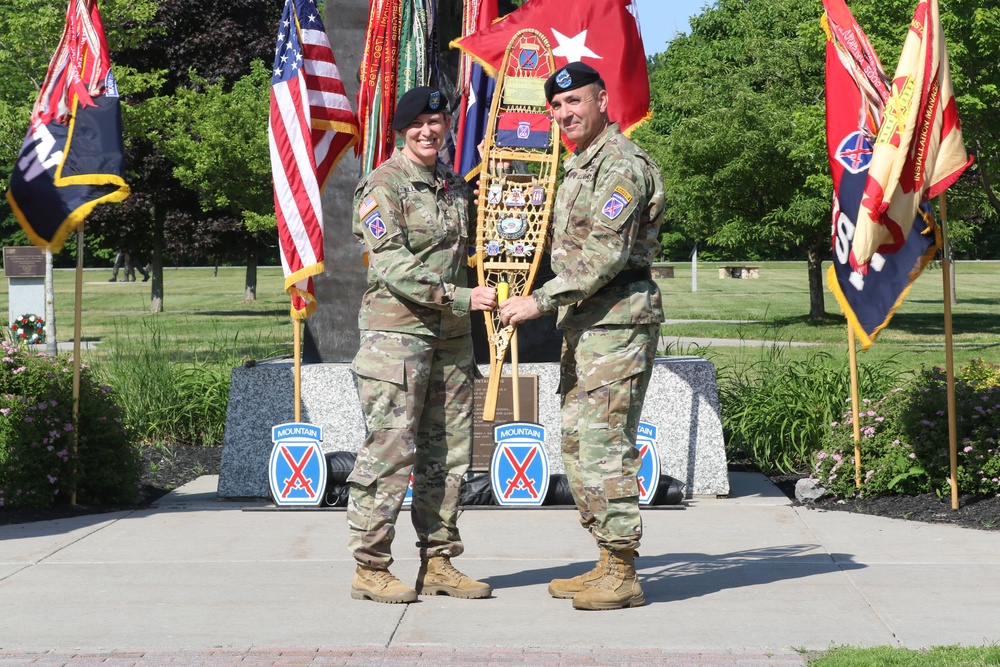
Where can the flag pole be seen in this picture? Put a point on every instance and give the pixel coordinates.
(948, 355)
(855, 410)
(297, 373)
(77, 327)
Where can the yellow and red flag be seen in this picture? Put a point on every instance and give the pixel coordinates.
(919, 151)
(856, 92)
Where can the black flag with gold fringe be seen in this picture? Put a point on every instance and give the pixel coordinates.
(72, 156)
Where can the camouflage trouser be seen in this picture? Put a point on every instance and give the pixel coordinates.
(605, 372)
(416, 394)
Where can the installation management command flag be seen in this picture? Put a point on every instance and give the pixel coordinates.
(919, 151)
(856, 93)
(601, 33)
(310, 127)
(71, 159)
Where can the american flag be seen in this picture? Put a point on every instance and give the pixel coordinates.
(311, 126)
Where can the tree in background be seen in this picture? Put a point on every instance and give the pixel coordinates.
(218, 142)
(739, 128)
(168, 56)
(197, 53)
(29, 34)
(738, 131)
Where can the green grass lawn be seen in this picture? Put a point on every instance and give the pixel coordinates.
(776, 307)
(885, 656)
(203, 310)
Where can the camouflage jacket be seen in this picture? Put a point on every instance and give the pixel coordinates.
(606, 219)
(414, 221)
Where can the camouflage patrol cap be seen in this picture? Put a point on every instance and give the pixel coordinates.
(572, 76)
(416, 101)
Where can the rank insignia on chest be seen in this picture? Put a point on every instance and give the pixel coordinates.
(493, 248)
(615, 205)
(515, 198)
(494, 195)
(374, 224)
(519, 469)
(537, 196)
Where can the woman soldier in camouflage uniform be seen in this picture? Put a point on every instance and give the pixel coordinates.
(604, 239)
(415, 367)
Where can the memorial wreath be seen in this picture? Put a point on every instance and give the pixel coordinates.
(28, 328)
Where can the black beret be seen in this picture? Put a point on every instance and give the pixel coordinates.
(570, 77)
(415, 102)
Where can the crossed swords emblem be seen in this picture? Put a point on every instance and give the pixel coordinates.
(520, 480)
(297, 480)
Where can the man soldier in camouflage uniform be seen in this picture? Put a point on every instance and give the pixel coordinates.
(607, 216)
(415, 367)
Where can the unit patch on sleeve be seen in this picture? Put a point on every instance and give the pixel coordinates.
(374, 224)
(624, 193)
(366, 206)
(616, 203)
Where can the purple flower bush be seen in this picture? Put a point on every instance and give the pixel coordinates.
(39, 465)
(904, 438)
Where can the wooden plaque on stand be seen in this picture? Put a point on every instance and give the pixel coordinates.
(482, 431)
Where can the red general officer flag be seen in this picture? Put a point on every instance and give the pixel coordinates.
(919, 151)
(311, 126)
(601, 33)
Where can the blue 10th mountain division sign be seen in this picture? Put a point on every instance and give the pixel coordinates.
(649, 469)
(297, 467)
(519, 470)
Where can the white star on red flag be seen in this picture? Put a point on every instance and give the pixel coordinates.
(602, 31)
(572, 49)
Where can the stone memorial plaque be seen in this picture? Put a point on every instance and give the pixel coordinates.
(482, 431)
(23, 262)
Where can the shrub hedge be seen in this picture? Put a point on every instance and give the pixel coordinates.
(904, 442)
(40, 465)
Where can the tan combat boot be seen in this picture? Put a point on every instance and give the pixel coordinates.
(380, 586)
(567, 588)
(617, 589)
(437, 575)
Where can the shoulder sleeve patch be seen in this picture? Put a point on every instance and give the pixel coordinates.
(624, 193)
(375, 225)
(367, 205)
(616, 203)
(617, 196)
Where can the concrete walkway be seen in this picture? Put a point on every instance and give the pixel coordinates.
(748, 580)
